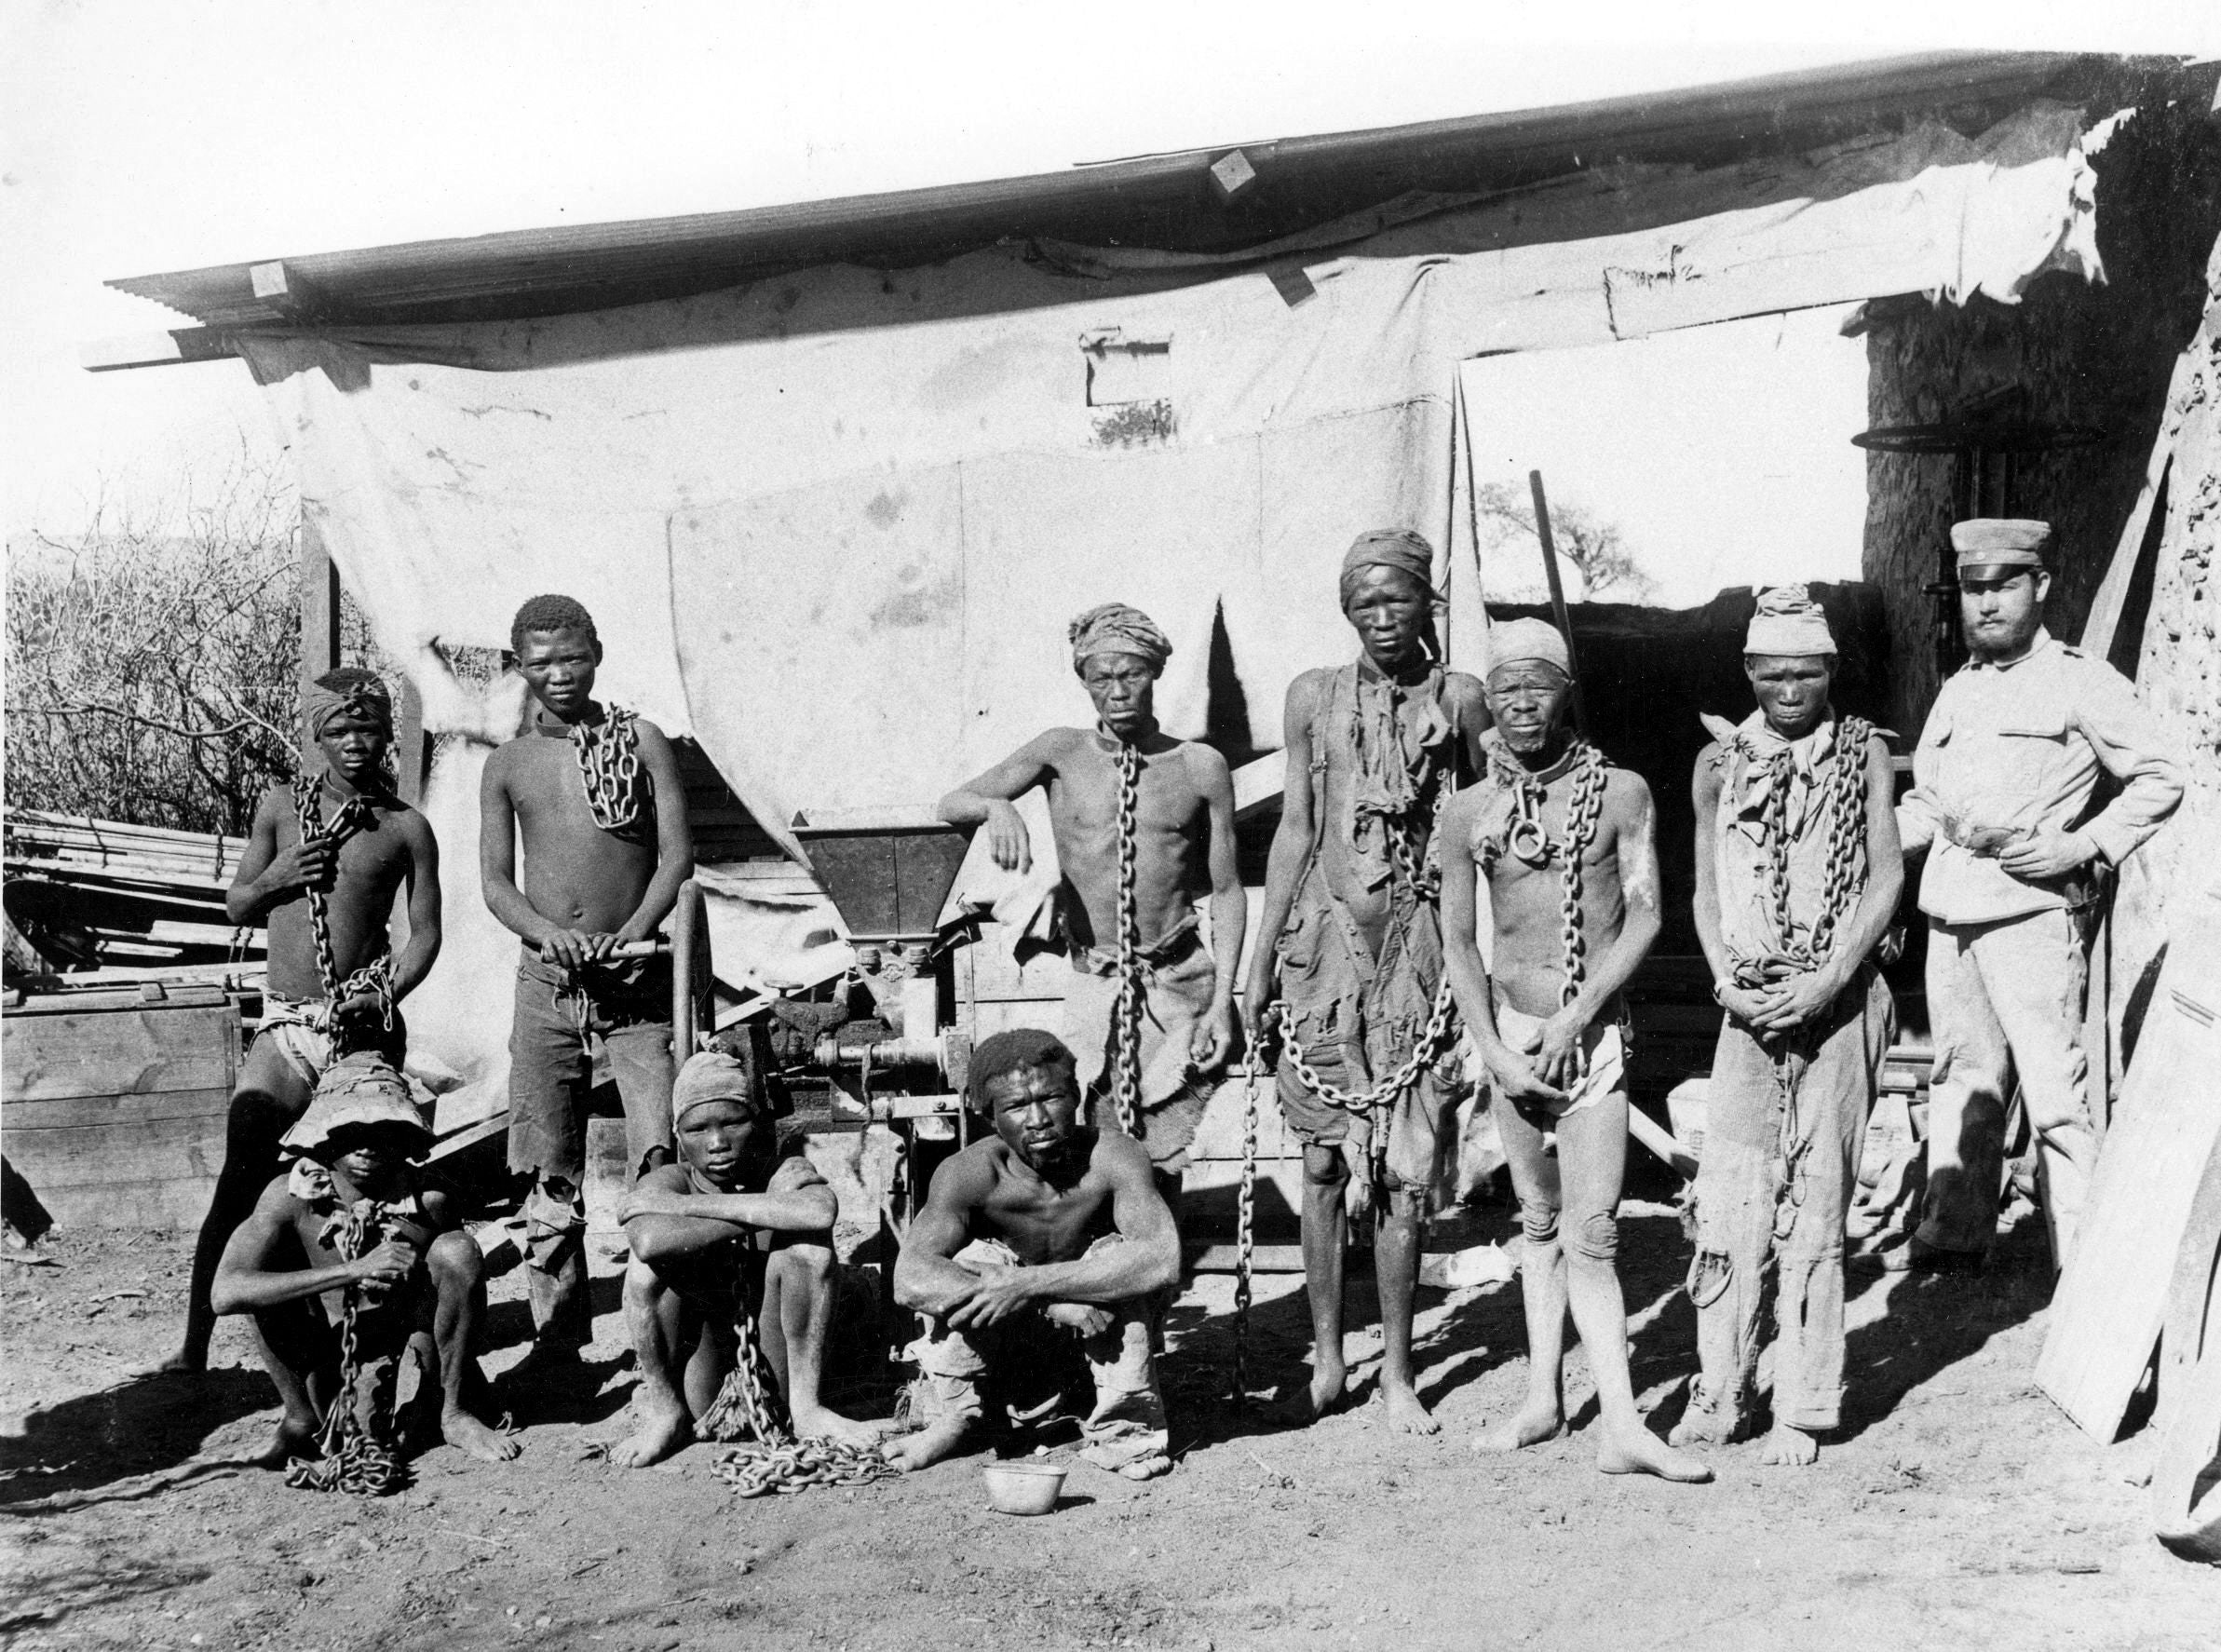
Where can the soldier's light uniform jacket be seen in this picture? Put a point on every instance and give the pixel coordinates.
(2016, 748)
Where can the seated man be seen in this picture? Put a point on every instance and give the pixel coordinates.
(733, 1228)
(353, 1227)
(1048, 1228)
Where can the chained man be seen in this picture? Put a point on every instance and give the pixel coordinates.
(1045, 1237)
(1797, 877)
(1142, 822)
(2005, 804)
(731, 1256)
(353, 1265)
(324, 861)
(1352, 953)
(1566, 844)
(594, 793)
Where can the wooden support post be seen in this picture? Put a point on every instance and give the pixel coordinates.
(319, 618)
(411, 746)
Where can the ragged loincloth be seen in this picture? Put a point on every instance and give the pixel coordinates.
(1178, 981)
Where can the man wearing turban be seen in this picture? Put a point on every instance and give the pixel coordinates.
(1799, 872)
(1352, 949)
(339, 839)
(1183, 804)
(2005, 805)
(733, 1227)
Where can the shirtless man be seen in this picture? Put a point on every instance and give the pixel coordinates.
(367, 846)
(1353, 942)
(1048, 1228)
(1554, 829)
(1184, 841)
(1788, 931)
(417, 1283)
(732, 1227)
(595, 794)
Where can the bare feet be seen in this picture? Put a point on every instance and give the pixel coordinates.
(1790, 1448)
(1329, 1381)
(1535, 1422)
(1407, 1413)
(184, 1363)
(466, 1433)
(929, 1445)
(1704, 1424)
(1147, 1467)
(295, 1437)
(663, 1429)
(820, 1424)
(1638, 1451)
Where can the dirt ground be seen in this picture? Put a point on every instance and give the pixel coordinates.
(1960, 1509)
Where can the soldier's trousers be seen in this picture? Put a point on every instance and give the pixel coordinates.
(2005, 999)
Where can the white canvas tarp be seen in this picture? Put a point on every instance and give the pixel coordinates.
(832, 523)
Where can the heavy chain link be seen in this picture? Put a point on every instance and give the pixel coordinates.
(358, 1457)
(376, 977)
(1245, 1228)
(1126, 1071)
(773, 1460)
(1584, 809)
(1846, 805)
(608, 755)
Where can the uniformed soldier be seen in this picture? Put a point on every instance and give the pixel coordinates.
(2003, 787)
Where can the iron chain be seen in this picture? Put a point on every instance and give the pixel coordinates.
(774, 1460)
(376, 977)
(608, 755)
(359, 1457)
(1126, 1071)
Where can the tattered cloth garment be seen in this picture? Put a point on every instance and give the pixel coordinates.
(1179, 981)
(1753, 762)
(1400, 753)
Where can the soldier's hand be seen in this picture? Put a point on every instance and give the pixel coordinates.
(2046, 854)
(1007, 838)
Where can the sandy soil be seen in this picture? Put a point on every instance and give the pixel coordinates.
(1962, 1510)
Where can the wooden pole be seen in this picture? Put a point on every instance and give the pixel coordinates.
(1550, 570)
(320, 620)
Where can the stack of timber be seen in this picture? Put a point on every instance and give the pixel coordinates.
(104, 900)
(113, 1102)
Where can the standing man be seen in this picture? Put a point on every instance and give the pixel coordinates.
(2004, 784)
(1141, 971)
(324, 860)
(1568, 845)
(1798, 876)
(1353, 946)
(594, 792)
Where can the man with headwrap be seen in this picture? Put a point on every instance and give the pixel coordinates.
(733, 1228)
(352, 1236)
(1183, 836)
(1352, 948)
(1797, 877)
(1044, 1239)
(324, 861)
(2005, 804)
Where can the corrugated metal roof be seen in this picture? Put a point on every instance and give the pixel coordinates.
(1168, 202)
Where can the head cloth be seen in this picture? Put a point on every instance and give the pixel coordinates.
(2000, 542)
(1390, 547)
(713, 1076)
(1018, 1051)
(1510, 641)
(363, 1088)
(365, 698)
(1116, 627)
(1789, 622)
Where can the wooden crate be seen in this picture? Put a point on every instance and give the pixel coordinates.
(113, 1104)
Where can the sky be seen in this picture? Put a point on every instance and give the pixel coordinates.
(137, 137)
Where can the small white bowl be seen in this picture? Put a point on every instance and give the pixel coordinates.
(1023, 1488)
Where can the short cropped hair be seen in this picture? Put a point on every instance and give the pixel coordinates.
(552, 613)
(1021, 1050)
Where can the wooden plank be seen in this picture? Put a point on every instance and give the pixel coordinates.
(188, 994)
(2188, 1419)
(175, 348)
(152, 1173)
(178, 1203)
(2106, 1314)
(126, 1052)
(24, 1118)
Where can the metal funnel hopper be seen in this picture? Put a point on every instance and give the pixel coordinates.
(888, 871)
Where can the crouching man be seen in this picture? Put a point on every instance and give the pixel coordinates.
(1047, 1230)
(351, 1238)
(733, 1228)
